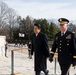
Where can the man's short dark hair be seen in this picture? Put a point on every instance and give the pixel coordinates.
(38, 25)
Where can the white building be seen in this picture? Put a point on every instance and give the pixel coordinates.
(2, 45)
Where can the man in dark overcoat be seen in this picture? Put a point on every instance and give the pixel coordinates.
(40, 49)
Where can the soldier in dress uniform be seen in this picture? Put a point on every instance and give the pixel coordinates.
(64, 41)
(40, 49)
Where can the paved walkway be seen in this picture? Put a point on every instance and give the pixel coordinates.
(24, 65)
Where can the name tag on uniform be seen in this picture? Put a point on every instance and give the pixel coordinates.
(69, 36)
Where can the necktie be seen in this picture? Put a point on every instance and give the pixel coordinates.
(62, 34)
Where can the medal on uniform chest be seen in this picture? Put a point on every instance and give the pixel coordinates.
(69, 36)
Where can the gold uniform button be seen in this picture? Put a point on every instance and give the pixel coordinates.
(60, 41)
(67, 44)
(59, 47)
(60, 44)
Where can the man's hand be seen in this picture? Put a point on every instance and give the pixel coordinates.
(50, 58)
(74, 63)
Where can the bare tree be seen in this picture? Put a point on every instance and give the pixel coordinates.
(72, 27)
(12, 21)
(3, 13)
(8, 20)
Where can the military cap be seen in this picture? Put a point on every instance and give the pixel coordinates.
(63, 20)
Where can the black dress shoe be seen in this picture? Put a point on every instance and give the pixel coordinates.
(47, 71)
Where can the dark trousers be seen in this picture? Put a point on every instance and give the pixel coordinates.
(37, 72)
(29, 53)
(5, 52)
(65, 69)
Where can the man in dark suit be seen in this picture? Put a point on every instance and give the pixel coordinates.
(6, 48)
(40, 49)
(64, 41)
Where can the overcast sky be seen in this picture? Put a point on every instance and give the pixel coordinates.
(44, 8)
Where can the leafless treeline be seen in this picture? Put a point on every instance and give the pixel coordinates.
(8, 20)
